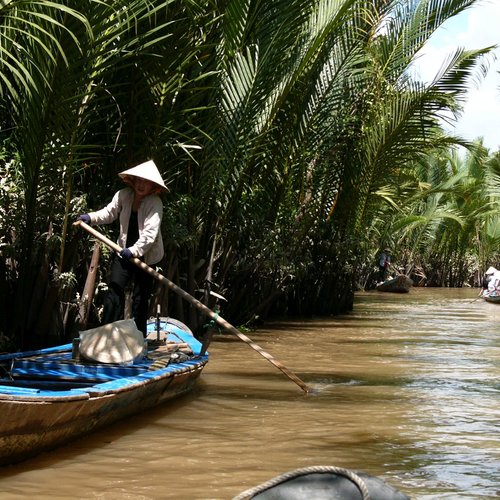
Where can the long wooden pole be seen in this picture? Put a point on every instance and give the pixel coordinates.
(202, 307)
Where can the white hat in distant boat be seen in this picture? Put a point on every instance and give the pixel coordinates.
(491, 270)
(147, 170)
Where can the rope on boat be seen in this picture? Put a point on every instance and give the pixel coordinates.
(352, 476)
(162, 358)
(159, 363)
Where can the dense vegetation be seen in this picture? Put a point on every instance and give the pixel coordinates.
(294, 138)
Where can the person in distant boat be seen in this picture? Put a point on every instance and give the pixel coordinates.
(139, 209)
(384, 262)
(493, 284)
(488, 275)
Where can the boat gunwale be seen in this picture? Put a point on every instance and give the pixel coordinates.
(106, 388)
(492, 299)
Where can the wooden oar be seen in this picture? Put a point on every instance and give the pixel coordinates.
(202, 307)
(480, 296)
(396, 271)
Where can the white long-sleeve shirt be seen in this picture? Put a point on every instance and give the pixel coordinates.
(149, 215)
(494, 284)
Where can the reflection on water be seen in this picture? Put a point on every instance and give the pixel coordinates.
(406, 389)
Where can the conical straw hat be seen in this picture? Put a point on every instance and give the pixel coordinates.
(491, 270)
(118, 342)
(147, 170)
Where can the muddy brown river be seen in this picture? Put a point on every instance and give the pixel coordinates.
(407, 389)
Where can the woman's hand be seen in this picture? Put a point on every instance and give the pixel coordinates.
(84, 218)
(126, 254)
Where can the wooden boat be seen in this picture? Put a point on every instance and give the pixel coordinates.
(399, 284)
(493, 297)
(322, 483)
(491, 285)
(51, 396)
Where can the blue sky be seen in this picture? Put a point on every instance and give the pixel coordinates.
(477, 27)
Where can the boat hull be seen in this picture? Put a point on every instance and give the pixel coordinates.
(36, 419)
(494, 299)
(321, 483)
(399, 284)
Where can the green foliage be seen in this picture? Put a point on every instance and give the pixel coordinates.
(292, 135)
(447, 227)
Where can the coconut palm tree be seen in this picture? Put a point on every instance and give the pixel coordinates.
(351, 120)
(446, 222)
(278, 124)
(74, 80)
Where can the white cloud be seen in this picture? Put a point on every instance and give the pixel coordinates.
(474, 29)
